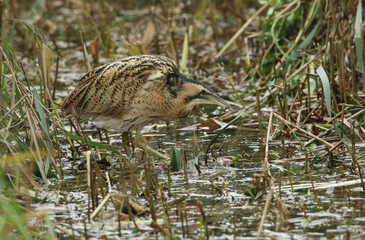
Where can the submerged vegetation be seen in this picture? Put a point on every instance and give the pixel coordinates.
(287, 164)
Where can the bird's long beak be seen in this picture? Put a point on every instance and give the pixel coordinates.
(213, 98)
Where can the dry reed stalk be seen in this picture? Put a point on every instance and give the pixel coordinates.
(13, 107)
(163, 206)
(302, 130)
(195, 144)
(313, 187)
(266, 208)
(56, 76)
(182, 223)
(85, 53)
(58, 148)
(205, 224)
(198, 168)
(149, 194)
(135, 179)
(100, 206)
(88, 175)
(259, 114)
(242, 29)
(319, 185)
(266, 159)
(34, 137)
(169, 182)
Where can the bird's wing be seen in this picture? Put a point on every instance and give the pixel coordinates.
(109, 90)
(73, 99)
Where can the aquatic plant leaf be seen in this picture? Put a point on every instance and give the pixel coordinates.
(260, 194)
(326, 88)
(316, 157)
(357, 37)
(234, 162)
(176, 159)
(327, 95)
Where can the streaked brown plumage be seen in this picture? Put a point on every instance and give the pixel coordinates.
(130, 93)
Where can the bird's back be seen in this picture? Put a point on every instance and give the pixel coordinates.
(110, 89)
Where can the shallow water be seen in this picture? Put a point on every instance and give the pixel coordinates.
(301, 213)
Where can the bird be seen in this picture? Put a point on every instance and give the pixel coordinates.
(129, 93)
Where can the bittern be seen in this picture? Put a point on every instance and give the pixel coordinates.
(130, 93)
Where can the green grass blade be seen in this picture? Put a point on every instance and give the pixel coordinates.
(303, 45)
(14, 216)
(92, 143)
(40, 109)
(31, 29)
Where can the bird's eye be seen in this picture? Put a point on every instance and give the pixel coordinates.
(202, 91)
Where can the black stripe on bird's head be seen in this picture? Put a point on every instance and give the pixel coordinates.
(193, 93)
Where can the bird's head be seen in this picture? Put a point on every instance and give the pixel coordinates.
(191, 93)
